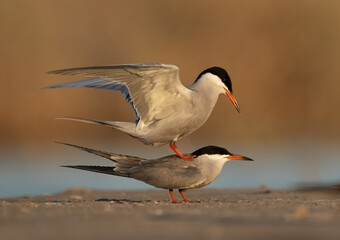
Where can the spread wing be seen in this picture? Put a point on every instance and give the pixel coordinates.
(147, 86)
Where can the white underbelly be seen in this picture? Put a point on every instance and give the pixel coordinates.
(165, 131)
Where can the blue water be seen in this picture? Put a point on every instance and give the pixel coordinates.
(32, 172)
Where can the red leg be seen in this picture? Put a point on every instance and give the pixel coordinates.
(174, 148)
(184, 198)
(172, 196)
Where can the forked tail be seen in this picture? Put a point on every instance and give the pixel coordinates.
(98, 169)
(125, 127)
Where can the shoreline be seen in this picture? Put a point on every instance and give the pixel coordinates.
(149, 214)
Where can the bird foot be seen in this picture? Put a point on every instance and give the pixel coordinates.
(187, 157)
(174, 148)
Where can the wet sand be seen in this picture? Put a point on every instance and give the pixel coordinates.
(221, 214)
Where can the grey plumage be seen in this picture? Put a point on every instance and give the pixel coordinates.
(169, 172)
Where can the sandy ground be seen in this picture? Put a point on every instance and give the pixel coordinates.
(221, 214)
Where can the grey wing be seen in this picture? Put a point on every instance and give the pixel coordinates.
(169, 173)
(122, 163)
(147, 86)
(125, 160)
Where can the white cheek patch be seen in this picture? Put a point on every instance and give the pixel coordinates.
(219, 158)
(215, 80)
(216, 160)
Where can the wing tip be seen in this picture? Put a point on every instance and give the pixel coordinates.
(59, 71)
(69, 166)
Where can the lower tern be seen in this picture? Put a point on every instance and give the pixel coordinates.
(169, 172)
(165, 109)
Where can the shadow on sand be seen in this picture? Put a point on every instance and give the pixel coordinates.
(121, 200)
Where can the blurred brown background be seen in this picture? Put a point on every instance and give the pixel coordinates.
(283, 58)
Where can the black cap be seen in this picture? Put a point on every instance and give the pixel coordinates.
(211, 150)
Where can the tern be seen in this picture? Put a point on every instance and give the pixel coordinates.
(169, 172)
(166, 111)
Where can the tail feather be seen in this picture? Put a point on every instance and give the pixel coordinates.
(113, 124)
(125, 127)
(99, 169)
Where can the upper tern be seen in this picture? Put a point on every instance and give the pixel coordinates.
(165, 109)
(169, 172)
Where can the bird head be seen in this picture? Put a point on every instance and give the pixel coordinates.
(219, 153)
(222, 81)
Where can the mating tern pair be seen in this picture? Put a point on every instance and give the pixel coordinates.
(166, 111)
(169, 172)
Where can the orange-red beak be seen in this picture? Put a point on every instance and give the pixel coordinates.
(233, 99)
(239, 157)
